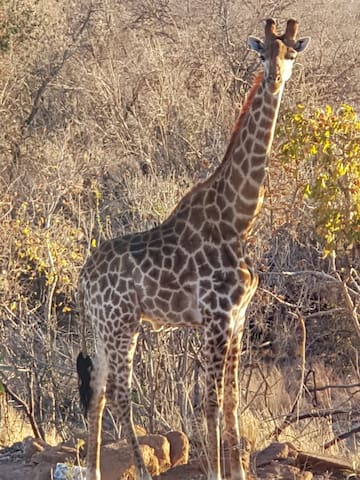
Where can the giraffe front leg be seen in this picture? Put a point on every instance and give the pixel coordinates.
(231, 407)
(215, 353)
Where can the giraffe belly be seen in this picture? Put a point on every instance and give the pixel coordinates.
(171, 308)
(159, 320)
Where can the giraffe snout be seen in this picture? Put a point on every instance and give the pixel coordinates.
(274, 81)
(274, 77)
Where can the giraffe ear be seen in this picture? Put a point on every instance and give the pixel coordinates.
(301, 44)
(255, 44)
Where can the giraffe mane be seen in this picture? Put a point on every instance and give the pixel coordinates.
(246, 105)
(237, 126)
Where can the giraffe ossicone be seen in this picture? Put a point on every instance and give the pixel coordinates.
(192, 270)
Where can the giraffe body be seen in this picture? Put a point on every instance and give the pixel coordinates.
(192, 270)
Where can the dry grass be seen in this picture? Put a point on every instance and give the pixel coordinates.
(15, 427)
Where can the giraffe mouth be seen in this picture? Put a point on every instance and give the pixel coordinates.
(274, 81)
(274, 87)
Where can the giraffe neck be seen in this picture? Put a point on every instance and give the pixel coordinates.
(239, 180)
(224, 206)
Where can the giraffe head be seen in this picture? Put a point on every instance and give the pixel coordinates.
(278, 52)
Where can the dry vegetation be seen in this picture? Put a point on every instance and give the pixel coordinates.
(109, 112)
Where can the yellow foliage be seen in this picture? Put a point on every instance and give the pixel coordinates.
(45, 254)
(327, 144)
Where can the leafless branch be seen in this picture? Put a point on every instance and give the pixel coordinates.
(351, 307)
(342, 436)
(27, 410)
(287, 422)
(327, 387)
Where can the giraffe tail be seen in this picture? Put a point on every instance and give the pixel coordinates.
(84, 364)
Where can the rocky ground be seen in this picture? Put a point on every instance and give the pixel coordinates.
(167, 458)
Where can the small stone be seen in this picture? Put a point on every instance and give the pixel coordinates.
(275, 451)
(161, 447)
(179, 448)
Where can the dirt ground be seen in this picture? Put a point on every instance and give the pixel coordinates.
(19, 470)
(13, 466)
(16, 470)
(269, 466)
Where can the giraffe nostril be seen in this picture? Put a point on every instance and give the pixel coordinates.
(272, 77)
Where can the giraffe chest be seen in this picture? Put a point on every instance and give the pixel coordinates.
(229, 291)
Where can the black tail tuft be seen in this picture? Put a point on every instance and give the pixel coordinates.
(84, 367)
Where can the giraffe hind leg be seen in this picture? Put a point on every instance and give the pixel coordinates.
(118, 394)
(95, 408)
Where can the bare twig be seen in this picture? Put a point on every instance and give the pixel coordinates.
(287, 422)
(324, 313)
(147, 403)
(54, 70)
(326, 387)
(28, 411)
(321, 275)
(277, 297)
(318, 414)
(341, 436)
(351, 308)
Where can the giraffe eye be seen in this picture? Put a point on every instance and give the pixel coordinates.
(262, 58)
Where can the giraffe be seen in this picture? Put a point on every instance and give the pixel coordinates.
(191, 270)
